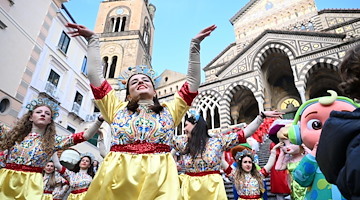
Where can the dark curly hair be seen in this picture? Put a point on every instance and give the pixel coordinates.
(350, 73)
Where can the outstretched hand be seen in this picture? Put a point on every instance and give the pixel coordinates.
(273, 113)
(80, 30)
(205, 32)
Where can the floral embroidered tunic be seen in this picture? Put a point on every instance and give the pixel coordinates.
(58, 191)
(145, 125)
(211, 158)
(30, 153)
(77, 181)
(250, 186)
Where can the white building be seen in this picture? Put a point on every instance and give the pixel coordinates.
(55, 70)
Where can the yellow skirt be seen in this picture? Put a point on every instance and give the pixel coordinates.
(20, 185)
(207, 187)
(79, 196)
(47, 197)
(135, 176)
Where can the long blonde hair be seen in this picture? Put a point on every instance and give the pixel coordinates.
(240, 175)
(52, 180)
(23, 128)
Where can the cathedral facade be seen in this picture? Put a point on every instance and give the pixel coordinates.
(285, 52)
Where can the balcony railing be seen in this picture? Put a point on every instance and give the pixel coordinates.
(50, 89)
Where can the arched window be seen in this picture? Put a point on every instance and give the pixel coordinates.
(146, 33)
(105, 63)
(113, 67)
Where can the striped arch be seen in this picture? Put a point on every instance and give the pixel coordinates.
(314, 65)
(269, 49)
(225, 117)
(208, 100)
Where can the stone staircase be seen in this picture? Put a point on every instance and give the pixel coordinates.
(263, 154)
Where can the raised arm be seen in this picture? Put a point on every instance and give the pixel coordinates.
(102, 147)
(272, 158)
(95, 71)
(90, 132)
(193, 75)
(56, 161)
(254, 125)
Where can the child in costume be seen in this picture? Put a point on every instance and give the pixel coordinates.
(55, 186)
(338, 149)
(139, 164)
(306, 129)
(29, 147)
(202, 155)
(80, 177)
(289, 158)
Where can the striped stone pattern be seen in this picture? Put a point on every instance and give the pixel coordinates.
(225, 118)
(269, 49)
(316, 64)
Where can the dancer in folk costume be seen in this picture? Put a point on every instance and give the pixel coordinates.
(139, 164)
(80, 177)
(203, 155)
(247, 178)
(55, 186)
(29, 147)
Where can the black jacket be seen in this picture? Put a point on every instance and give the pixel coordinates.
(338, 152)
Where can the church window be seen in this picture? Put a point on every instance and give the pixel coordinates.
(105, 65)
(123, 23)
(117, 24)
(113, 67)
(146, 33)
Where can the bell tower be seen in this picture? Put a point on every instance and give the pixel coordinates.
(126, 31)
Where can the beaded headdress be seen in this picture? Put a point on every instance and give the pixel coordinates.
(194, 114)
(88, 154)
(241, 154)
(140, 69)
(44, 101)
